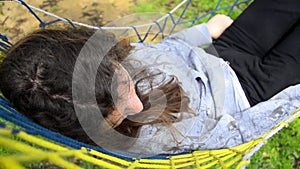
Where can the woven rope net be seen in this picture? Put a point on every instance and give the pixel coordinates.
(28, 145)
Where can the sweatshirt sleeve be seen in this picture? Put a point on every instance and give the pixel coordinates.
(195, 36)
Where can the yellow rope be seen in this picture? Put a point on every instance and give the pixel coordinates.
(243, 163)
(8, 162)
(36, 149)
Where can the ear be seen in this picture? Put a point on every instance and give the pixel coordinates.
(114, 119)
(115, 113)
(124, 43)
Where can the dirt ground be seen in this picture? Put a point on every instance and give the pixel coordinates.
(16, 21)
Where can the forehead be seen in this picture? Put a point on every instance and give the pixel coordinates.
(121, 75)
(121, 80)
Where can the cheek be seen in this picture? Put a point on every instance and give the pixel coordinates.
(134, 104)
(138, 104)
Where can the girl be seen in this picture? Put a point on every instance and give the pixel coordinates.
(168, 97)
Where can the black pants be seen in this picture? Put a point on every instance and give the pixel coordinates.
(263, 47)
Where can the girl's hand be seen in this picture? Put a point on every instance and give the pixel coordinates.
(217, 25)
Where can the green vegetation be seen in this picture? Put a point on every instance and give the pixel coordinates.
(281, 151)
(2, 56)
(54, 9)
(196, 8)
(1, 4)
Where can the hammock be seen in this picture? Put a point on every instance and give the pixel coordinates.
(31, 145)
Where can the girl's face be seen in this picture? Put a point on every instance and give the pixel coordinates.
(128, 102)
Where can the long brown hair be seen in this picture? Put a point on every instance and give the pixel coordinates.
(36, 77)
(42, 64)
(163, 98)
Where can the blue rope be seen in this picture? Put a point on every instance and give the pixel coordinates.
(5, 44)
(137, 33)
(175, 23)
(147, 34)
(5, 39)
(11, 115)
(160, 29)
(182, 14)
(71, 23)
(42, 24)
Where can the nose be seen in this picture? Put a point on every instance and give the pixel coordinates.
(135, 104)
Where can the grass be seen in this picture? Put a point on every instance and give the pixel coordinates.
(45, 164)
(281, 151)
(196, 8)
(1, 5)
(54, 9)
(1, 57)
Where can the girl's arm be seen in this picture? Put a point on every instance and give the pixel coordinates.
(202, 34)
(217, 25)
